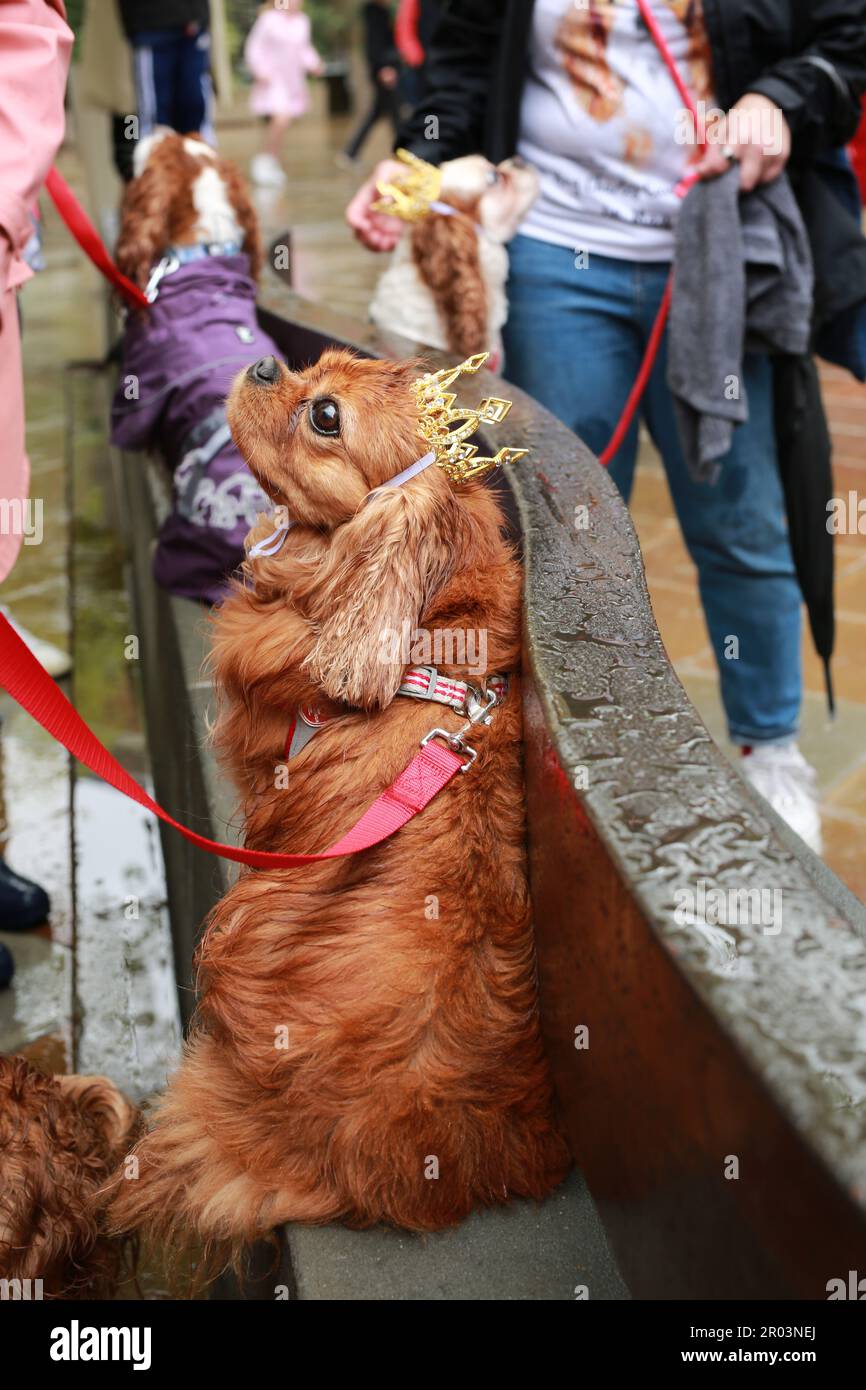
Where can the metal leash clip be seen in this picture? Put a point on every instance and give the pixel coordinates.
(478, 704)
(167, 266)
(478, 713)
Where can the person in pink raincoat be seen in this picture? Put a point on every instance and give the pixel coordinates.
(279, 53)
(35, 48)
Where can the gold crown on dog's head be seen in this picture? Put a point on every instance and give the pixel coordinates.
(447, 430)
(409, 196)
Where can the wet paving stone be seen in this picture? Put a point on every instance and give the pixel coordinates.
(94, 988)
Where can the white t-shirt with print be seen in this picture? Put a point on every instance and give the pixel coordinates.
(599, 119)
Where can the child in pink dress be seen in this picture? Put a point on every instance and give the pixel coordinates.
(279, 53)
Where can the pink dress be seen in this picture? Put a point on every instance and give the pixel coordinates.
(279, 53)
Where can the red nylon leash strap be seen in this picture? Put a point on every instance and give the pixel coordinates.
(640, 381)
(658, 328)
(81, 227)
(34, 690)
(661, 44)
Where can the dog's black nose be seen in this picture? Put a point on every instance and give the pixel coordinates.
(266, 371)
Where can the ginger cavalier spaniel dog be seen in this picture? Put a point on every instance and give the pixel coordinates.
(367, 1044)
(61, 1138)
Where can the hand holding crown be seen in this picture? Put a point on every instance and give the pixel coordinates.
(409, 196)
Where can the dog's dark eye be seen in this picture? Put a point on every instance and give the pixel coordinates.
(325, 416)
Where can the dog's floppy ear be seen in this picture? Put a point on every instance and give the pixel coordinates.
(103, 1103)
(144, 224)
(382, 569)
(445, 252)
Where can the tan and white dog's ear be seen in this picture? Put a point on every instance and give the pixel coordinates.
(382, 569)
(445, 252)
(144, 224)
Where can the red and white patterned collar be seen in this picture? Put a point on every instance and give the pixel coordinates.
(419, 682)
(425, 683)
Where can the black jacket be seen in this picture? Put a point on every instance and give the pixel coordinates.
(139, 15)
(807, 56)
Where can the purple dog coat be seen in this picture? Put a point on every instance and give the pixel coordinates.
(178, 363)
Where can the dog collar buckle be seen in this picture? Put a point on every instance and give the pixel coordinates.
(478, 710)
(478, 707)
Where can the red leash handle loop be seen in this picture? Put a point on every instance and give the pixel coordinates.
(658, 328)
(34, 690)
(81, 227)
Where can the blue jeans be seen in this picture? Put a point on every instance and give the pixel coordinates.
(575, 339)
(172, 80)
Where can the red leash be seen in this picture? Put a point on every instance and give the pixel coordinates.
(660, 41)
(88, 238)
(641, 379)
(658, 328)
(34, 690)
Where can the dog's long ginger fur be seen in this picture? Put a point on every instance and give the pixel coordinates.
(367, 1042)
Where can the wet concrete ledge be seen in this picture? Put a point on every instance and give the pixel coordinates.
(717, 1113)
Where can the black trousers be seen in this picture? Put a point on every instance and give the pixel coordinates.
(385, 105)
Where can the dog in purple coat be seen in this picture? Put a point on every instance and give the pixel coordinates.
(189, 238)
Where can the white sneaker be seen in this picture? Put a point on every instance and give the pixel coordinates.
(56, 662)
(266, 170)
(781, 775)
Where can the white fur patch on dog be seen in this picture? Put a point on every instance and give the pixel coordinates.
(146, 145)
(199, 148)
(216, 216)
